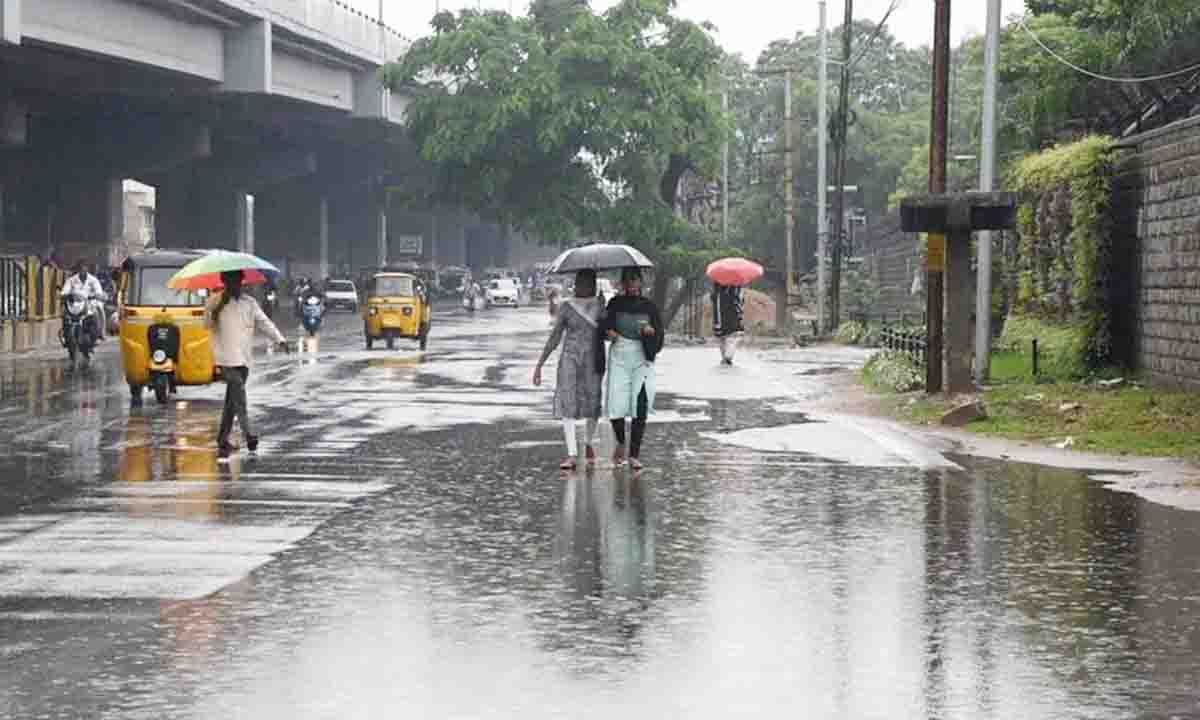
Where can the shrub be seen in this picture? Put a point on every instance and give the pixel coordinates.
(1062, 349)
(893, 372)
(850, 333)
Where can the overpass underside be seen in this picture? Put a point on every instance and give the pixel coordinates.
(256, 132)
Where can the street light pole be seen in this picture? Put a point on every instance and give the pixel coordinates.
(987, 179)
(725, 171)
(822, 168)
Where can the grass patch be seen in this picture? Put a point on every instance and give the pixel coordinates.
(1129, 420)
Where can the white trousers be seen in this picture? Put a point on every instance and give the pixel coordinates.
(570, 438)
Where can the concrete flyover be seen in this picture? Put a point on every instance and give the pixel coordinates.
(212, 101)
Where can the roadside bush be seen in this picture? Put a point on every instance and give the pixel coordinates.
(892, 371)
(1062, 349)
(850, 333)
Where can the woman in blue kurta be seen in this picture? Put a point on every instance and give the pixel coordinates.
(634, 325)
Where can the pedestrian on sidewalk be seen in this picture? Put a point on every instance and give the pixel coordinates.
(728, 319)
(577, 394)
(634, 325)
(233, 317)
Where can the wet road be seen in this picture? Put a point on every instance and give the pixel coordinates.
(404, 546)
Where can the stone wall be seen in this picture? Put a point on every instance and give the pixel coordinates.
(1156, 211)
(894, 259)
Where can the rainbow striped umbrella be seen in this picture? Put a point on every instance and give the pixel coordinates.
(205, 273)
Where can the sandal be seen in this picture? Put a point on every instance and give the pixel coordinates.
(590, 455)
(568, 465)
(636, 464)
(618, 458)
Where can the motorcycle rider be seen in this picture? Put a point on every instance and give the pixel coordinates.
(86, 285)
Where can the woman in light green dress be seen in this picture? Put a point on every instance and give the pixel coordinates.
(634, 325)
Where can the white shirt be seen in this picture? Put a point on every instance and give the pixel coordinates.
(85, 285)
(233, 334)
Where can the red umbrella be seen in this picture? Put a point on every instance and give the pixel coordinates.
(738, 272)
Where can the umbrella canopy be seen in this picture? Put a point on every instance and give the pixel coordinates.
(737, 272)
(205, 273)
(600, 256)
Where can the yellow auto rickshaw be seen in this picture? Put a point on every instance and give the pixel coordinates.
(165, 341)
(397, 306)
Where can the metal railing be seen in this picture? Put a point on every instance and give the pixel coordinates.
(909, 341)
(14, 288)
(29, 289)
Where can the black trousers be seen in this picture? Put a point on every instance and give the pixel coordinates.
(235, 403)
(639, 426)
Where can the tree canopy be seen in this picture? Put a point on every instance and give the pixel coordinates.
(568, 122)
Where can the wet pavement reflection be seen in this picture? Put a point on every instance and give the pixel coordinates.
(404, 546)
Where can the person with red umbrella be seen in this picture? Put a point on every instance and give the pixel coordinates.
(729, 276)
(728, 319)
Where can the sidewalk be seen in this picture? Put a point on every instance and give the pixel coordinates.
(1168, 481)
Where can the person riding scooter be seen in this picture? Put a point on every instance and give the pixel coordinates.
(312, 308)
(87, 286)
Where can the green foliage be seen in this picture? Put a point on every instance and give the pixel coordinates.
(850, 333)
(1065, 197)
(891, 371)
(569, 123)
(1062, 349)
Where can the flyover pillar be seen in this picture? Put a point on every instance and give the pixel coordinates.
(292, 228)
(194, 215)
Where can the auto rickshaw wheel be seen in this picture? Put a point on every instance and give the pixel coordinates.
(135, 394)
(424, 336)
(370, 342)
(161, 389)
(391, 342)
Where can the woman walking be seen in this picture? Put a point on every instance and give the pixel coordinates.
(233, 317)
(634, 325)
(580, 366)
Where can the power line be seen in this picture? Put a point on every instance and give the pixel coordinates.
(1099, 76)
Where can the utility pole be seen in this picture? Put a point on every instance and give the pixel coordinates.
(934, 300)
(839, 171)
(725, 171)
(789, 195)
(822, 169)
(987, 179)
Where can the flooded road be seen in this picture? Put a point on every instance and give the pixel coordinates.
(404, 546)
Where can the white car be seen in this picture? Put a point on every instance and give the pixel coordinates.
(341, 295)
(503, 292)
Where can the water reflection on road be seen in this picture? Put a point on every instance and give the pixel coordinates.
(371, 564)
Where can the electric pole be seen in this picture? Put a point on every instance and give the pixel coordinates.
(936, 251)
(822, 169)
(839, 171)
(987, 179)
(789, 195)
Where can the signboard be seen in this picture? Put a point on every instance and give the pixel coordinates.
(935, 256)
(406, 245)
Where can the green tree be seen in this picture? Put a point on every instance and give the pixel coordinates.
(570, 123)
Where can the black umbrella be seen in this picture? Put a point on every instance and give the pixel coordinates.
(600, 256)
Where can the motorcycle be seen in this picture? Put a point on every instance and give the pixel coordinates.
(313, 310)
(79, 332)
(271, 303)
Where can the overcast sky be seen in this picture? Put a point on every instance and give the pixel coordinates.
(745, 26)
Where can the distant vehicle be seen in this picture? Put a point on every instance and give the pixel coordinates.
(606, 288)
(341, 295)
(503, 292)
